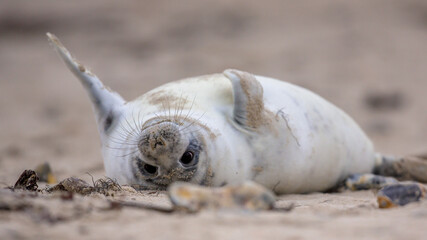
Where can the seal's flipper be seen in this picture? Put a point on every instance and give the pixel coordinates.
(368, 181)
(108, 105)
(407, 168)
(248, 99)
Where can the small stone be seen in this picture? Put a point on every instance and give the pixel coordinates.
(400, 194)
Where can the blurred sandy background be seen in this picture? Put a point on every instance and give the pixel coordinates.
(369, 57)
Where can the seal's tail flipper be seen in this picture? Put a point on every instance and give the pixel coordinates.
(390, 192)
(107, 104)
(403, 168)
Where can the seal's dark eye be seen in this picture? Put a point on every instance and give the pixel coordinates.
(150, 169)
(187, 158)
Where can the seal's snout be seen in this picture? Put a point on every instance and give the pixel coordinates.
(159, 139)
(158, 145)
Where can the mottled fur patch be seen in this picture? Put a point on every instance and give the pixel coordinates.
(166, 100)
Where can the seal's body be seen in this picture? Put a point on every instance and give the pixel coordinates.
(226, 128)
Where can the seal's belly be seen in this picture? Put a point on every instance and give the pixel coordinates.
(326, 144)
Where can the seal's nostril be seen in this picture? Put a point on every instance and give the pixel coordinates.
(150, 169)
(155, 140)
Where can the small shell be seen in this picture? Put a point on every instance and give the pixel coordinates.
(247, 196)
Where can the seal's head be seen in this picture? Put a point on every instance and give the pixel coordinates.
(169, 151)
(154, 153)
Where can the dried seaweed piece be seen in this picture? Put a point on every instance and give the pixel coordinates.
(77, 185)
(27, 181)
(106, 186)
(74, 185)
(247, 196)
(400, 194)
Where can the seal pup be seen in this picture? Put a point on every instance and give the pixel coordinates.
(225, 128)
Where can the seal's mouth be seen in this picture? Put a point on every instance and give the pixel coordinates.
(150, 169)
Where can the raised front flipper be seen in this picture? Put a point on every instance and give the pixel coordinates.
(249, 112)
(108, 105)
